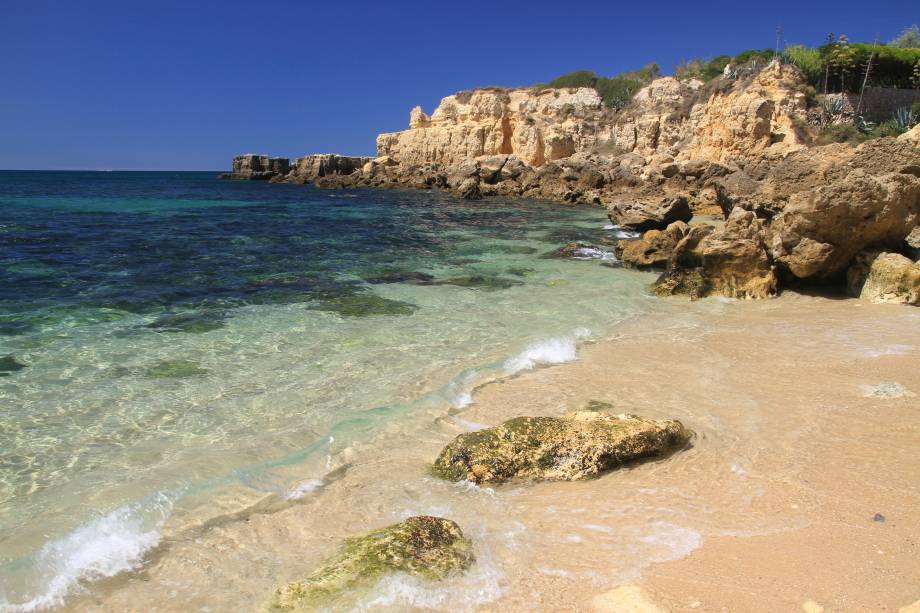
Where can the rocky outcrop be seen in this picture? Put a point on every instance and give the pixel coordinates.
(536, 126)
(258, 167)
(729, 261)
(654, 249)
(422, 546)
(581, 445)
(311, 167)
(639, 216)
(884, 277)
(873, 200)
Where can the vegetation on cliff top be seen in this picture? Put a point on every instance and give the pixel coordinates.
(616, 91)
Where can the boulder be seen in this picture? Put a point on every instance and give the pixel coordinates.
(729, 261)
(820, 231)
(469, 189)
(581, 445)
(884, 278)
(423, 546)
(642, 215)
(653, 249)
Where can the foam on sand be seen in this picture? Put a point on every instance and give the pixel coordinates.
(103, 547)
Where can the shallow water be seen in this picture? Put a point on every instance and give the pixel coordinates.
(180, 349)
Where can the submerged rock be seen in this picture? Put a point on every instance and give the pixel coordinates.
(414, 278)
(362, 304)
(581, 445)
(193, 323)
(176, 369)
(9, 365)
(422, 546)
(483, 282)
(884, 277)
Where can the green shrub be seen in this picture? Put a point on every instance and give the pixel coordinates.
(579, 78)
(808, 61)
(615, 91)
(761, 56)
(887, 128)
(841, 133)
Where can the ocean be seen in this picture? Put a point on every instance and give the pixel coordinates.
(175, 349)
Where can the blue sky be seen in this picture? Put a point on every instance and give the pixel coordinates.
(185, 85)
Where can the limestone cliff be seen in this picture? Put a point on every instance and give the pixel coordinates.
(536, 126)
(666, 120)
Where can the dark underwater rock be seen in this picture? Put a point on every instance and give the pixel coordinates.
(483, 282)
(9, 365)
(197, 322)
(362, 304)
(414, 278)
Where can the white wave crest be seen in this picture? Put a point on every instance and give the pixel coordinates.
(620, 233)
(549, 351)
(104, 547)
(303, 488)
(592, 253)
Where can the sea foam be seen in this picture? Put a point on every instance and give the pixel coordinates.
(101, 548)
(556, 350)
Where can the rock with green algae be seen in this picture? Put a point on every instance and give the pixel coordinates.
(580, 445)
(422, 546)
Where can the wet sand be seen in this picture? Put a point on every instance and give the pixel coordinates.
(807, 419)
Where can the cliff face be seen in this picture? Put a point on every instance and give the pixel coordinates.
(537, 127)
(666, 119)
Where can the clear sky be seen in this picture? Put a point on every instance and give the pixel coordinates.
(185, 85)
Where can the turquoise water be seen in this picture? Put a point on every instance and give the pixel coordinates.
(172, 346)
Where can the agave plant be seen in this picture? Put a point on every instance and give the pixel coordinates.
(833, 105)
(904, 118)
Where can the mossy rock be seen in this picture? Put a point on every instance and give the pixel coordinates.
(176, 369)
(581, 445)
(423, 546)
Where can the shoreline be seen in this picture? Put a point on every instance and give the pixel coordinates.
(517, 528)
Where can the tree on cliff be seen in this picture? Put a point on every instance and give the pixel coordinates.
(907, 39)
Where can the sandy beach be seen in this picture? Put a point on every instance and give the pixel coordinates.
(799, 491)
